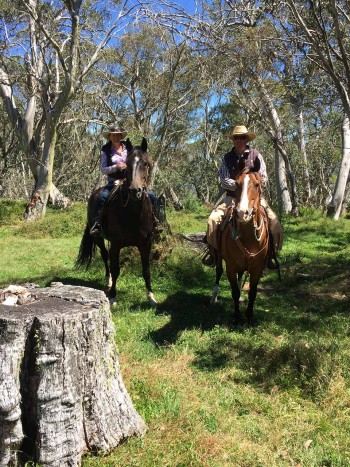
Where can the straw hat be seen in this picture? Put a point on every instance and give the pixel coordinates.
(116, 130)
(241, 130)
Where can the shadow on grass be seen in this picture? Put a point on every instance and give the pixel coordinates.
(308, 365)
(189, 311)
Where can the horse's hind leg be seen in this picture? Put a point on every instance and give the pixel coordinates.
(114, 255)
(105, 257)
(219, 270)
(145, 252)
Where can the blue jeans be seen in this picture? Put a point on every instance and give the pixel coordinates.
(153, 199)
(102, 198)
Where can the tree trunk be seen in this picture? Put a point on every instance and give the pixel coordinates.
(174, 198)
(335, 206)
(283, 197)
(277, 135)
(36, 208)
(61, 392)
(302, 149)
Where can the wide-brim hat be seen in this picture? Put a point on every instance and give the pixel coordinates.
(116, 130)
(240, 130)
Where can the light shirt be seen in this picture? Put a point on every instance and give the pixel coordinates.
(116, 157)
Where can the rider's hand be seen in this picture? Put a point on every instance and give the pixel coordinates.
(121, 166)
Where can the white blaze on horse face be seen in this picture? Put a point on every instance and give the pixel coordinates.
(136, 181)
(243, 206)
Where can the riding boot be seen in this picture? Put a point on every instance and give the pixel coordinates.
(96, 230)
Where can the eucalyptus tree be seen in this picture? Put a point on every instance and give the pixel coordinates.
(48, 49)
(227, 31)
(156, 84)
(320, 28)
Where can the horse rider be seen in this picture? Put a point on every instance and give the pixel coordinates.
(113, 164)
(228, 171)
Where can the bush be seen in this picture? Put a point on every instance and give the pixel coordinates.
(191, 203)
(11, 210)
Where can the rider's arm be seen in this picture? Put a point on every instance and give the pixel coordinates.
(109, 169)
(225, 180)
(106, 169)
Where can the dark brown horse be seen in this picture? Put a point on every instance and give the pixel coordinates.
(126, 220)
(244, 240)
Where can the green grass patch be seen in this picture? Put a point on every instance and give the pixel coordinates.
(277, 394)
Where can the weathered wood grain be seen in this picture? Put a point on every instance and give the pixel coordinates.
(61, 392)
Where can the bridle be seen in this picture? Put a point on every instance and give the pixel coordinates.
(258, 218)
(140, 191)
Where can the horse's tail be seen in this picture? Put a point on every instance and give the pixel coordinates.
(87, 249)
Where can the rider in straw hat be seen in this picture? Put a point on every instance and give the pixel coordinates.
(228, 171)
(113, 164)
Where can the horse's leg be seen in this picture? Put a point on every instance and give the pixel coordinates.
(235, 292)
(240, 275)
(105, 257)
(253, 288)
(219, 270)
(114, 255)
(145, 252)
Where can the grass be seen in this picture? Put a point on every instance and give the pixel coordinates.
(276, 394)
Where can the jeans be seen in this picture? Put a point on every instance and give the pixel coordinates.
(102, 198)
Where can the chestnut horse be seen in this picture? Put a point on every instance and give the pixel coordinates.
(126, 220)
(244, 240)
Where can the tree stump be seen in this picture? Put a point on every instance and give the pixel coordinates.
(61, 392)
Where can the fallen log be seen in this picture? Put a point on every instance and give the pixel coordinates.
(61, 391)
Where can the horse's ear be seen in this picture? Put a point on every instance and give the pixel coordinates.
(144, 144)
(128, 145)
(256, 166)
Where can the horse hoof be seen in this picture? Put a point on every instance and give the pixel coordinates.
(214, 296)
(151, 300)
(112, 301)
(108, 282)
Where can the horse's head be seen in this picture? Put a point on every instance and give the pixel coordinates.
(138, 167)
(248, 191)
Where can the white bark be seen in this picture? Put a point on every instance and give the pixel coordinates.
(302, 149)
(284, 201)
(335, 206)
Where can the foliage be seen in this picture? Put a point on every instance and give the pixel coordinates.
(272, 395)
